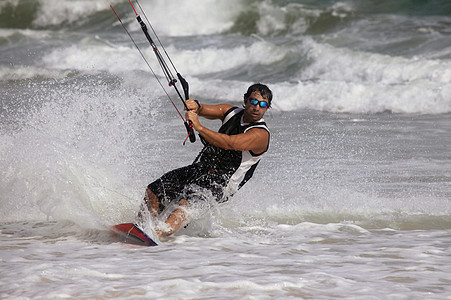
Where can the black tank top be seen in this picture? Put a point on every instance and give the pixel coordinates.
(232, 168)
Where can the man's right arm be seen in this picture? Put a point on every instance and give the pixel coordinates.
(211, 112)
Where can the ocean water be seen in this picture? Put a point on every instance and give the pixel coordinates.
(352, 201)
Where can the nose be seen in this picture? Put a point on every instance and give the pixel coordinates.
(256, 107)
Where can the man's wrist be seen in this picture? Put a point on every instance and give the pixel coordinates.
(199, 108)
(199, 128)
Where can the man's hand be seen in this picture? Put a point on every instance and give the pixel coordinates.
(192, 105)
(192, 116)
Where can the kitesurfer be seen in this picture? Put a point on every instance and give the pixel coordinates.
(226, 162)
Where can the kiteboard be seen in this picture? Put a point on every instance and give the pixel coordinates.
(132, 233)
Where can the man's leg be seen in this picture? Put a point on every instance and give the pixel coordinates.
(171, 185)
(150, 203)
(153, 205)
(175, 220)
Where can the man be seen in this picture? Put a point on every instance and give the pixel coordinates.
(224, 165)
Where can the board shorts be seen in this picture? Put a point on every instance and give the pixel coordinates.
(194, 182)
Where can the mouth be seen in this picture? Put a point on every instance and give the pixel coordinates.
(253, 115)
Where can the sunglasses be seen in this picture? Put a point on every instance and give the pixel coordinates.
(254, 101)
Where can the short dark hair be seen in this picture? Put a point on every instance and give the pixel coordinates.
(262, 89)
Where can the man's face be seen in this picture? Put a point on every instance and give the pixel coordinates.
(254, 112)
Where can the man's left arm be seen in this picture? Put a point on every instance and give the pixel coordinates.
(255, 139)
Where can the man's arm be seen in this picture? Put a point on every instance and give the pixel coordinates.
(255, 140)
(212, 112)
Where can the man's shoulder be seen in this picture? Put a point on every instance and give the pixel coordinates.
(234, 109)
(231, 112)
(259, 127)
(228, 108)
